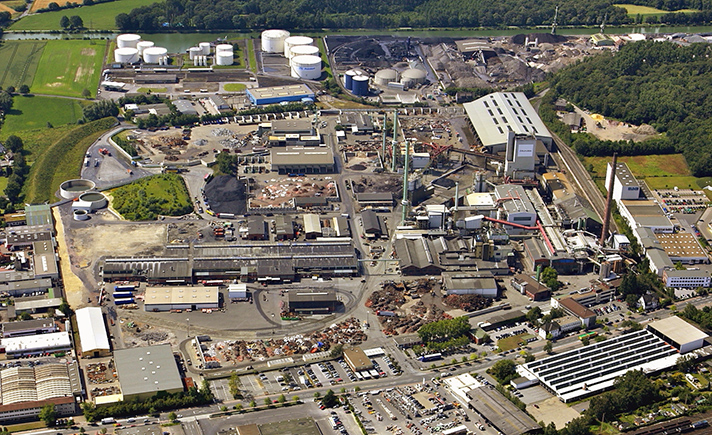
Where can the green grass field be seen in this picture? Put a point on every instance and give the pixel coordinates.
(667, 165)
(648, 11)
(69, 67)
(95, 17)
(34, 112)
(37, 140)
(301, 426)
(151, 90)
(251, 54)
(20, 59)
(510, 343)
(234, 87)
(147, 198)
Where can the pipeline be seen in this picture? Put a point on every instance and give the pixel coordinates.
(537, 227)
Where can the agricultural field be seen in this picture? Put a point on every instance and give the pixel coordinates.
(644, 11)
(34, 112)
(95, 17)
(234, 87)
(69, 67)
(4, 7)
(20, 59)
(38, 139)
(146, 199)
(657, 165)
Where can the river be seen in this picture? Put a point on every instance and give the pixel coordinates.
(180, 42)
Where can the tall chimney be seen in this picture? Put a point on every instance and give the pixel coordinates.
(607, 216)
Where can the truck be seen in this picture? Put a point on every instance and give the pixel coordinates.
(108, 420)
(385, 313)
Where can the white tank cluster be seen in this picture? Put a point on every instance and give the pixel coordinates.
(128, 40)
(204, 48)
(158, 55)
(273, 40)
(302, 50)
(385, 76)
(126, 55)
(413, 77)
(200, 61)
(142, 45)
(224, 54)
(294, 41)
(131, 49)
(193, 52)
(306, 67)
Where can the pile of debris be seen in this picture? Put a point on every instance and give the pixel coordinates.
(221, 132)
(467, 303)
(101, 373)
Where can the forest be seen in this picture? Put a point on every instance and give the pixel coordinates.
(662, 84)
(379, 14)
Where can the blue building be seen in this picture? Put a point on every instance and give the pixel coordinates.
(279, 94)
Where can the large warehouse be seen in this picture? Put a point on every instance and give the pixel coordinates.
(495, 115)
(301, 160)
(93, 338)
(17, 347)
(181, 298)
(146, 371)
(279, 94)
(586, 371)
(310, 302)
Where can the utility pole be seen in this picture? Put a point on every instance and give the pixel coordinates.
(404, 201)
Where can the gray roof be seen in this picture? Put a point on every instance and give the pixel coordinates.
(292, 126)
(467, 281)
(494, 115)
(372, 223)
(303, 156)
(374, 197)
(185, 107)
(659, 258)
(26, 235)
(218, 101)
(624, 175)
(284, 225)
(281, 91)
(150, 267)
(687, 273)
(295, 296)
(519, 204)
(27, 325)
(147, 370)
(255, 225)
(502, 413)
(38, 215)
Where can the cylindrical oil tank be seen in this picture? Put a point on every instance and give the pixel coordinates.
(273, 40)
(71, 189)
(204, 48)
(126, 55)
(193, 52)
(385, 76)
(413, 77)
(306, 67)
(223, 47)
(360, 86)
(80, 215)
(304, 50)
(142, 45)
(154, 54)
(293, 41)
(127, 40)
(349, 78)
(224, 58)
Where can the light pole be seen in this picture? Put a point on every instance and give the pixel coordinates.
(188, 321)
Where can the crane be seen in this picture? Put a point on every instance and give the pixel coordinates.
(553, 25)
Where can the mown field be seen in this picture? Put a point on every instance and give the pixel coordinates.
(6, 8)
(634, 10)
(19, 62)
(95, 17)
(33, 112)
(69, 67)
(38, 139)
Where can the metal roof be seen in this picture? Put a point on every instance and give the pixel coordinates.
(182, 295)
(147, 370)
(302, 155)
(677, 330)
(290, 90)
(92, 331)
(502, 413)
(38, 215)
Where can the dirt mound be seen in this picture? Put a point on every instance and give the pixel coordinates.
(543, 37)
(357, 168)
(226, 194)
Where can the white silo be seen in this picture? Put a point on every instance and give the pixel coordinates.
(306, 67)
(193, 52)
(294, 41)
(273, 40)
(204, 48)
(154, 54)
(223, 47)
(303, 50)
(224, 58)
(142, 45)
(127, 40)
(126, 55)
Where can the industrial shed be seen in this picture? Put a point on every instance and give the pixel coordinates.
(17, 347)
(500, 412)
(458, 283)
(279, 94)
(181, 298)
(146, 371)
(373, 225)
(28, 327)
(155, 270)
(677, 332)
(312, 226)
(93, 339)
(301, 160)
(311, 302)
(357, 359)
(185, 107)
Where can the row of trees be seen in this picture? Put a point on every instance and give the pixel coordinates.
(19, 169)
(71, 23)
(662, 84)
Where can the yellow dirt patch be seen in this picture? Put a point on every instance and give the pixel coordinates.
(43, 4)
(6, 8)
(79, 74)
(88, 51)
(54, 85)
(73, 286)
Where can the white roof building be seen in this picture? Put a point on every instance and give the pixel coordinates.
(37, 344)
(93, 339)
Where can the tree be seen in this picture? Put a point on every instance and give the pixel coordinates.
(82, 430)
(123, 21)
(504, 370)
(550, 277)
(10, 89)
(337, 350)
(5, 101)
(48, 414)
(64, 22)
(528, 357)
(172, 416)
(357, 388)
(14, 143)
(533, 315)
(86, 93)
(253, 404)
(317, 395)
(295, 399)
(268, 401)
(548, 347)
(53, 6)
(585, 341)
(686, 363)
(281, 399)
(24, 89)
(100, 109)
(76, 22)
(329, 400)
(223, 408)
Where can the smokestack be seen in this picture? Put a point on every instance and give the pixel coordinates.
(404, 201)
(607, 216)
(457, 194)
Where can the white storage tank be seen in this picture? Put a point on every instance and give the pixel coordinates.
(142, 45)
(303, 50)
(204, 48)
(126, 55)
(80, 215)
(154, 54)
(223, 47)
(385, 76)
(273, 40)
(306, 67)
(193, 52)
(127, 40)
(412, 77)
(224, 58)
(294, 41)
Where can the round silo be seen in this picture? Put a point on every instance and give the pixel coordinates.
(413, 77)
(360, 86)
(223, 47)
(204, 48)
(385, 76)
(306, 67)
(193, 52)
(304, 50)
(154, 54)
(126, 55)
(293, 41)
(224, 58)
(273, 40)
(127, 40)
(349, 78)
(142, 45)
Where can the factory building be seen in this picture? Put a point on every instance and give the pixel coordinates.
(32, 345)
(299, 160)
(517, 206)
(279, 94)
(572, 307)
(256, 229)
(686, 278)
(499, 412)
(24, 236)
(218, 103)
(495, 115)
(521, 159)
(181, 298)
(682, 247)
(38, 215)
(645, 213)
(583, 372)
(26, 286)
(457, 283)
(373, 224)
(312, 226)
(312, 302)
(357, 359)
(284, 228)
(625, 185)
(93, 339)
(374, 199)
(28, 327)
(146, 371)
(293, 132)
(44, 260)
(185, 107)
(154, 270)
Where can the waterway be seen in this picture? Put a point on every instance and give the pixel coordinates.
(180, 42)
